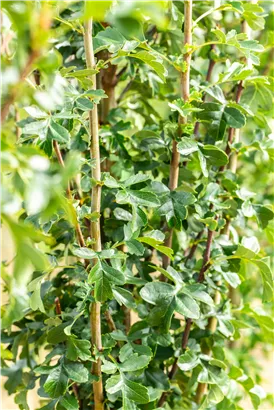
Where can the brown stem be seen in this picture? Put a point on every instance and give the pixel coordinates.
(57, 306)
(79, 233)
(206, 258)
(110, 321)
(17, 129)
(185, 79)
(194, 246)
(95, 313)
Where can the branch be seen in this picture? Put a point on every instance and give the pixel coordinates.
(194, 246)
(185, 78)
(79, 233)
(95, 314)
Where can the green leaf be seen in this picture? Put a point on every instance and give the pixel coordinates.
(155, 292)
(135, 247)
(214, 155)
(58, 133)
(157, 245)
(135, 362)
(124, 297)
(152, 61)
(56, 334)
(76, 372)
(267, 279)
(56, 383)
(21, 400)
(135, 391)
(236, 72)
(188, 361)
(111, 182)
(77, 348)
(162, 296)
(218, 117)
(264, 215)
(174, 207)
(135, 179)
(170, 273)
(212, 375)
(109, 39)
(187, 306)
(197, 291)
(84, 104)
(130, 390)
(187, 146)
(141, 198)
(113, 275)
(69, 402)
(183, 108)
(257, 95)
(214, 396)
(85, 253)
(103, 289)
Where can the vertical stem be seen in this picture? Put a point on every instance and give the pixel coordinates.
(95, 314)
(185, 77)
(233, 136)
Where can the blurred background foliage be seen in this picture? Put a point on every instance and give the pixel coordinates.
(46, 98)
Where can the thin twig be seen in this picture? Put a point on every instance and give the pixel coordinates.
(194, 246)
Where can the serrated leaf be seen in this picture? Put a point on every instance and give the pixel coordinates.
(174, 207)
(135, 391)
(77, 348)
(76, 372)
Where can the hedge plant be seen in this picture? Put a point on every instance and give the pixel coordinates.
(136, 159)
